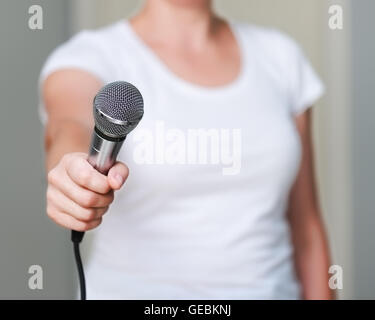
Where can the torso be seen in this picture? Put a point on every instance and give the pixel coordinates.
(199, 222)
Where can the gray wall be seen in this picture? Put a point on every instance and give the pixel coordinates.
(27, 237)
(363, 124)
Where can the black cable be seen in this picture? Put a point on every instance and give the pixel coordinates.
(76, 239)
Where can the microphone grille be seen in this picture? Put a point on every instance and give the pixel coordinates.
(118, 108)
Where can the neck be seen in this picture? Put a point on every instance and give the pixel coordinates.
(175, 22)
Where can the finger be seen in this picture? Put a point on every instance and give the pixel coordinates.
(63, 203)
(83, 174)
(69, 222)
(83, 197)
(117, 175)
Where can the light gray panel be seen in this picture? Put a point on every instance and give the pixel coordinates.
(27, 237)
(363, 53)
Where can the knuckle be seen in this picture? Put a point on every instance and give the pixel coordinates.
(71, 160)
(101, 212)
(89, 199)
(66, 158)
(110, 198)
(49, 195)
(106, 201)
(105, 186)
(88, 214)
(84, 176)
(95, 223)
(81, 226)
(98, 222)
(51, 176)
(51, 213)
(85, 226)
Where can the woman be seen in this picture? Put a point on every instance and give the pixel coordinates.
(242, 221)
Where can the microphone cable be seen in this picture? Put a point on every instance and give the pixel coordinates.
(77, 237)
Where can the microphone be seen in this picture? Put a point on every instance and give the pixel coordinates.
(117, 108)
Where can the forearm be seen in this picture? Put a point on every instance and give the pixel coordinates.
(65, 137)
(313, 261)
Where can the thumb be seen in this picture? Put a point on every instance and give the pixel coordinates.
(117, 175)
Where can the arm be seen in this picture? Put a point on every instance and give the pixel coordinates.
(77, 195)
(308, 235)
(68, 105)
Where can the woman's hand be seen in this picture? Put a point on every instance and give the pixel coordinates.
(77, 195)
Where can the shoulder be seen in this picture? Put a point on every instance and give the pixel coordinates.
(89, 39)
(270, 43)
(90, 50)
(278, 55)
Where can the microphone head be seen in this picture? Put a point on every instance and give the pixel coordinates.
(118, 108)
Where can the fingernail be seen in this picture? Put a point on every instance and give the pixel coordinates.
(119, 179)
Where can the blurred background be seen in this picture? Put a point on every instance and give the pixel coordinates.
(344, 131)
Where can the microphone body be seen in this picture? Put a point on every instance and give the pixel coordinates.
(103, 151)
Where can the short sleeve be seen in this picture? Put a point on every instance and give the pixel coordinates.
(84, 51)
(304, 85)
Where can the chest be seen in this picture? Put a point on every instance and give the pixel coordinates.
(203, 142)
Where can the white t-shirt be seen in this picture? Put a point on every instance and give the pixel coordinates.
(203, 213)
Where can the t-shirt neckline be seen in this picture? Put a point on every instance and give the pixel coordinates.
(188, 86)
